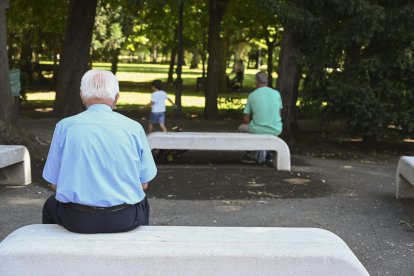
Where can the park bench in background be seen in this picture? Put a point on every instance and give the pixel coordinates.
(14, 165)
(405, 177)
(177, 250)
(223, 141)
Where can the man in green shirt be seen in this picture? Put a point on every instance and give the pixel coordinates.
(261, 114)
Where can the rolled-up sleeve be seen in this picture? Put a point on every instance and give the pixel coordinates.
(52, 166)
(148, 167)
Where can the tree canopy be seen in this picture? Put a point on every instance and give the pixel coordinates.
(350, 60)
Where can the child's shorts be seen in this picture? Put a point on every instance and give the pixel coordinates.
(157, 118)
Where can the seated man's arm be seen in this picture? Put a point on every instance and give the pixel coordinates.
(144, 186)
(246, 118)
(52, 187)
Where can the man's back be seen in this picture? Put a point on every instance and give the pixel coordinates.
(264, 104)
(103, 156)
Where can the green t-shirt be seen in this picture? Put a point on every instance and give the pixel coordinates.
(264, 105)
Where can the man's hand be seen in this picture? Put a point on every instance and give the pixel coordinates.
(246, 118)
(52, 187)
(144, 186)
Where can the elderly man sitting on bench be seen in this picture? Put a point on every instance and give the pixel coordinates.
(261, 115)
(99, 163)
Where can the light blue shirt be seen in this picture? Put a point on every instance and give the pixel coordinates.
(99, 158)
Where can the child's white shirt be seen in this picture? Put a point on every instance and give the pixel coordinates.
(158, 101)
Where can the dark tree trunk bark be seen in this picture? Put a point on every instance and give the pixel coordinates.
(203, 66)
(115, 60)
(270, 48)
(74, 61)
(289, 73)
(173, 56)
(216, 12)
(180, 57)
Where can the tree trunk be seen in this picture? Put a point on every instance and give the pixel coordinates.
(216, 12)
(173, 56)
(180, 57)
(270, 48)
(25, 62)
(10, 130)
(289, 73)
(225, 60)
(114, 60)
(170, 78)
(75, 57)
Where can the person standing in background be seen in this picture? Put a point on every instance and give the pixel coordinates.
(158, 108)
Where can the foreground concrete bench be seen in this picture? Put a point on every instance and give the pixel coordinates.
(14, 165)
(177, 250)
(223, 141)
(405, 177)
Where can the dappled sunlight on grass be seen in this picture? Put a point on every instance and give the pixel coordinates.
(135, 87)
(134, 98)
(40, 96)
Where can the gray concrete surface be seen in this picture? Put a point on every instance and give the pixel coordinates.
(360, 206)
(178, 250)
(354, 199)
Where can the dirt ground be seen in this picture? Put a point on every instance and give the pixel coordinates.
(346, 188)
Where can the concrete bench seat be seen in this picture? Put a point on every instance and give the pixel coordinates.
(14, 165)
(177, 250)
(405, 177)
(223, 141)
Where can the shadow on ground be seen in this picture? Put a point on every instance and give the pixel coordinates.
(205, 175)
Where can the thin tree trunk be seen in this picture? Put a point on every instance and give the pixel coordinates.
(74, 60)
(180, 57)
(115, 60)
(270, 48)
(289, 73)
(216, 12)
(173, 56)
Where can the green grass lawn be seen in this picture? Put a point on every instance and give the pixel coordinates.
(135, 88)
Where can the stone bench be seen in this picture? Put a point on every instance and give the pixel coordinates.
(223, 141)
(405, 177)
(177, 250)
(14, 165)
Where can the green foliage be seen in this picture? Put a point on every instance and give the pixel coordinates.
(361, 64)
(108, 35)
(36, 24)
(233, 106)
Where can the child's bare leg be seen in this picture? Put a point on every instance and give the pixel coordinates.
(162, 126)
(150, 128)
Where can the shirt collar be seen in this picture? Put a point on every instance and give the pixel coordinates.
(103, 107)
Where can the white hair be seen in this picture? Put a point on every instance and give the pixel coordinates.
(99, 84)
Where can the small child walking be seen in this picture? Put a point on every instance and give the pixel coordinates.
(158, 109)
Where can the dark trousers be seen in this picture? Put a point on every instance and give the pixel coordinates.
(88, 221)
